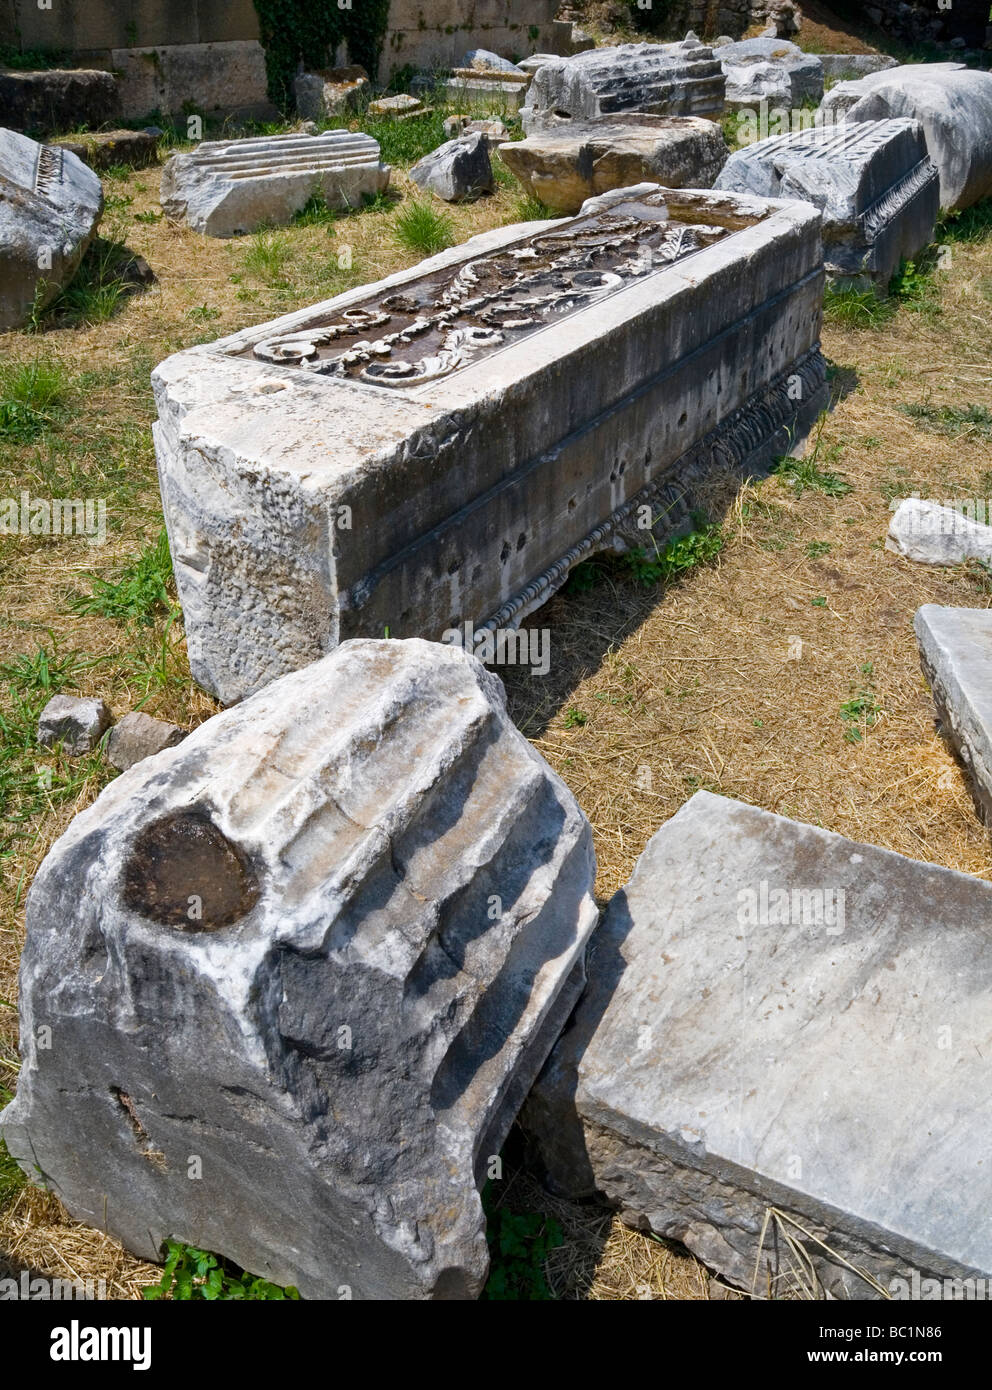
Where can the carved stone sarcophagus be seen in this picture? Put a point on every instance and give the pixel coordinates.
(442, 447)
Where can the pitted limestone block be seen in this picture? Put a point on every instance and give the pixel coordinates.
(429, 451)
(584, 158)
(781, 1020)
(956, 654)
(55, 100)
(331, 92)
(50, 204)
(875, 184)
(954, 105)
(225, 188)
(669, 79)
(770, 70)
(324, 945)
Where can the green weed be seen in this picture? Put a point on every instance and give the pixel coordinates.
(575, 718)
(519, 1245)
(192, 1274)
(32, 397)
(953, 420)
(862, 711)
(423, 229)
(141, 592)
(805, 474)
(266, 256)
(678, 556)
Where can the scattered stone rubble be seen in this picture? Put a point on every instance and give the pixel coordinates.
(315, 955)
(136, 736)
(474, 399)
(77, 723)
(874, 182)
(50, 205)
(762, 1033)
(227, 188)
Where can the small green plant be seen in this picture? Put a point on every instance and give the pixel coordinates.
(819, 602)
(192, 1274)
(519, 1245)
(266, 256)
(149, 218)
(816, 549)
(862, 711)
(575, 718)
(104, 279)
(967, 225)
(315, 212)
(423, 229)
(678, 556)
(850, 307)
(32, 397)
(529, 208)
(203, 313)
(805, 474)
(142, 590)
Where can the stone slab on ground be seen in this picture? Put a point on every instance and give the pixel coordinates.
(77, 722)
(398, 108)
(457, 170)
(464, 476)
(954, 105)
(324, 944)
(781, 1018)
(50, 205)
(488, 92)
(209, 77)
(770, 70)
(932, 534)
(106, 148)
(331, 92)
(56, 100)
(672, 79)
(956, 654)
(136, 736)
(565, 167)
(226, 188)
(495, 131)
(875, 184)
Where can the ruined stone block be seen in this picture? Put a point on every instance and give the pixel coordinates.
(875, 184)
(671, 79)
(956, 653)
(444, 446)
(225, 188)
(285, 986)
(50, 205)
(785, 1034)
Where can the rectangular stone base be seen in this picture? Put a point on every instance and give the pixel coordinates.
(956, 652)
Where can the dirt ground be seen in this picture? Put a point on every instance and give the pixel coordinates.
(732, 679)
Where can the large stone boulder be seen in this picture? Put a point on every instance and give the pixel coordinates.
(457, 170)
(954, 105)
(106, 148)
(331, 92)
(50, 204)
(673, 79)
(931, 534)
(225, 188)
(785, 1037)
(55, 100)
(875, 184)
(298, 974)
(565, 167)
(770, 70)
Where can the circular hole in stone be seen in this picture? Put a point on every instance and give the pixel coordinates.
(183, 872)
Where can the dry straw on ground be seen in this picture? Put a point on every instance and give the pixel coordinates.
(734, 679)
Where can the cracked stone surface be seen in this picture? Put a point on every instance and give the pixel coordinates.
(781, 1020)
(300, 972)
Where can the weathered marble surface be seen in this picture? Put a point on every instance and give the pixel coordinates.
(675, 79)
(50, 205)
(457, 170)
(430, 450)
(331, 92)
(299, 973)
(778, 1017)
(956, 653)
(55, 100)
(564, 167)
(226, 188)
(770, 70)
(954, 105)
(932, 534)
(875, 184)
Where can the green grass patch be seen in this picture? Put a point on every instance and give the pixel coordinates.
(191, 1275)
(32, 398)
(862, 711)
(96, 292)
(519, 1245)
(266, 256)
(424, 229)
(806, 474)
(953, 420)
(967, 225)
(142, 591)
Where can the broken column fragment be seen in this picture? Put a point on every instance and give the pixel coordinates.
(298, 973)
(784, 1034)
(874, 182)
(441, 448)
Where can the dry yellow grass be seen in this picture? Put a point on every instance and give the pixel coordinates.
(696, 685)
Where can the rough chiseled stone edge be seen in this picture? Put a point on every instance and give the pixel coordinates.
(738, 442)
(958, 721)
(913, 185)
